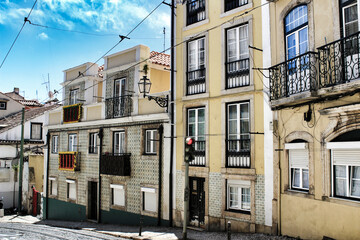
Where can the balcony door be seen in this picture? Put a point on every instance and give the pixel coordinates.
(196, 130)
(297, 44)
(119, 97)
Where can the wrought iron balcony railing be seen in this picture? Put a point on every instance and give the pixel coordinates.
(199, 154)
(237, 73)
(195, 11)
(231, 4)
(118, 106)
(69, 161)
(238, 153)
(196, 81)
(115, 164)
(72, 113)
(294, 76)
(339, 61)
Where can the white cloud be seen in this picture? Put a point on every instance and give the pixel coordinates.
(43, 36)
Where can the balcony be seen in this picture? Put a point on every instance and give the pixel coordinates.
(199, 154)
(238, 153)
(69, 161)
(196, 81)
(294, 76)
(339, 61)
(72, 113)
(237, 74)
(115, 164)
(231, 4)
(118, 107)
(195, 11)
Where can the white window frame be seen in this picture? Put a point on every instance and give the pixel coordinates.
(93, 143)
(71, 193)
(238, 119)
(72, 144)
(150, 140)
(197, 137)
(53, 186)
(195, 44)
(149, 192)
(301, 167)
(120, 135)
(121, 82)
(117, 190)
(240, 185)
(3, 105)
(74, 96)
(32, 128)
(55, 142)
(238, 55)
(343, 16)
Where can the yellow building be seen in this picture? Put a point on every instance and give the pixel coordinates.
(220, 102)
(314, 94)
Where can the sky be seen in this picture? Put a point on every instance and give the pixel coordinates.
(42, 53)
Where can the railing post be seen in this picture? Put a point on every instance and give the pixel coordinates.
(229, 230)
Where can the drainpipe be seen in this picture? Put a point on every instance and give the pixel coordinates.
(101, 136)
(21, 161)
(172, 75)
(161, 131)
(280, 182)
(47, 175)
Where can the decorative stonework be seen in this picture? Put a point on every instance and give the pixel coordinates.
(215, 194)
(260, 199)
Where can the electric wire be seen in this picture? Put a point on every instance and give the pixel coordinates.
(17, 36)
(182, 42)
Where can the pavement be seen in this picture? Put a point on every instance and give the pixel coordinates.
(132, 232)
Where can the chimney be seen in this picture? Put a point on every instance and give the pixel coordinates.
(16, 90)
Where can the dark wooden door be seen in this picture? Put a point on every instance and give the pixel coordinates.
(197, 201)
(92, 201)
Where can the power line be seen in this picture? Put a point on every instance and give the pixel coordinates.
(17, 36)
(178, 44)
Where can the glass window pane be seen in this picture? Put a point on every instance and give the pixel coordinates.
(305, 179)
(355, 181)
(340, 187)
(303, 41)
(244, 110)
(340, 171)
(191, 116)
(232, 111)
(291, 46)
(201, 115)
(245, 199)
(233, 127)
(233, 197)
(296, 177)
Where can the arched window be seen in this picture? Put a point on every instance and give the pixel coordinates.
(296, 32)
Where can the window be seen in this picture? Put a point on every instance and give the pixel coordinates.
(55, 142)
(2, 105)
(231, 4)
(36, 131)
(298, 165)
(196, 130)
(118, 195)
(93, 147)
(195, 11)
(119, 142)
(296, 31)
(72, 143)
(346, 172)
(53, 186)
(237, 51)
(119, 97)
(150, 142)
(149, 199)
(71, 189)
(238, 195)
(196, 66)
(74, 96)
(349, 17)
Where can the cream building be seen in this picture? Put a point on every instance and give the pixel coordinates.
(222, 103)
(314, 93)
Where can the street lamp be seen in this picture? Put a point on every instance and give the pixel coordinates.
(144, 87)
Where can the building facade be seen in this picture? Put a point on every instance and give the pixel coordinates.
(221, 103)
(314, 91)
(107, 153)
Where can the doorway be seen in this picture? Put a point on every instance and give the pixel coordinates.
(92, 200)
(197, 202)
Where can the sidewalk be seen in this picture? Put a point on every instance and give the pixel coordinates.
(132, 232)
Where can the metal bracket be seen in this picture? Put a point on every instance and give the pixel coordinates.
(161, 101)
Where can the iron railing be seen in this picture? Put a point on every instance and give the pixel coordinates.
(115, 164)
(196, 81)
(294, 76)
(231, 4)
(237, 73)
(339, 61)
(118, 106)
(238, 153)
(199, 154)
(195, 11)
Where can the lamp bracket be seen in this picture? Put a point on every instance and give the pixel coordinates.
(161, 101)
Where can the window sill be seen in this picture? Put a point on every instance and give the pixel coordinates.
(237, 214)
(239, 171)
(195, 96)
(194, 25)
(117, 207)
(298, 193)
(149, 213)
(71, 200)
(342, 201)
(236, 10)
(238, 90)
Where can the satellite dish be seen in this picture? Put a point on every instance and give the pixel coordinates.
(50, 94)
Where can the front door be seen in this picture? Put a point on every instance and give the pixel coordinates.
(197, 201)
(92, 200)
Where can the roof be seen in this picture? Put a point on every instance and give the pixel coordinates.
(15, 119)
(160, 58)
(30, 103)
